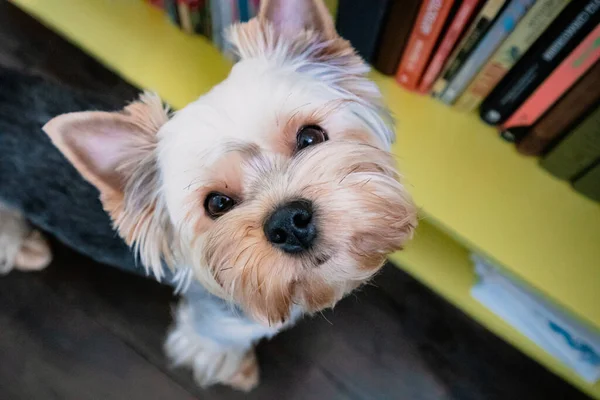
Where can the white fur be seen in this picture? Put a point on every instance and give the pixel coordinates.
(13, 231)
(208, 329)
(244, 108)
(21, 246)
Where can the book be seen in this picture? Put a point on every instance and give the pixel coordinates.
(204, 25)
(533, 24)
(577, 151)
(244, 10)
(482, 21)
(157, 3)
(573, 106)
(423, 38)
(394, 35)
(196, 7)
(546, 324)
(229, 16)
(172, 11)
(185, 17)
(589, 184)
(456, 28)
(576, 21)
(506, 22)
(255, 7)
(585, 55)
(360, 22)
(216, 14)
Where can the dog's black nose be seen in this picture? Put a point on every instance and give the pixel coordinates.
(291, 227)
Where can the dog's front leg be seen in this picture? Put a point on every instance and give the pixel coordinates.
(21, 246)
(216, 340)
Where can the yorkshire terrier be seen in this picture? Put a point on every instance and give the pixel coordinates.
(271, 196)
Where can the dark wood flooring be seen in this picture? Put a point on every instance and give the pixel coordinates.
(80, 330)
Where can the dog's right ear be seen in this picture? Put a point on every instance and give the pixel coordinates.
(102, 146)
(116, 152)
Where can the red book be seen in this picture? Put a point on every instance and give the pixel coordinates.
(157, 3)
(423, 38)
(585, 55)
(457, 27)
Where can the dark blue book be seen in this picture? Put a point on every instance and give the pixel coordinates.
(361, 22)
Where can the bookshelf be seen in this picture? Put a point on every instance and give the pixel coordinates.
(475, 192)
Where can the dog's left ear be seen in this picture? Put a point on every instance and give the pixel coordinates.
(292, 16)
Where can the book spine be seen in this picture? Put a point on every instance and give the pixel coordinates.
(205, 18)
(533, 24)
(172, 11)
(216, 23)
(589, 184)
(463, 15)
(244, 9)
(585, 55)
(577, 151)
(234, 12)
(185, 18)
(575, 22)
(157, 3)
(423, 38)
(354, 15)
(505, 23)
(534, 140)
(229, 16)
(394, 35)
(195, 14)
(254, 7)
(478, 27)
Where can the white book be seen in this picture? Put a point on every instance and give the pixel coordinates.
(568, 340)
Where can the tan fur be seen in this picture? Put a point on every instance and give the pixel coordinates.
(355, 190)
(247, 376)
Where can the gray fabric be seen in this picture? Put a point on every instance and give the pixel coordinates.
(37, 180)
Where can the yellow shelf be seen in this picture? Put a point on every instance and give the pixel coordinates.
(474, 190)
(489, 198)
(440, 263)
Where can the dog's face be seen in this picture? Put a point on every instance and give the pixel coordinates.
(275, 188)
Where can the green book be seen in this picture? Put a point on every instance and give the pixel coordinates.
(577, 151)
(589, 183)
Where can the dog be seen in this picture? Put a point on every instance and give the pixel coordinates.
(270, 197)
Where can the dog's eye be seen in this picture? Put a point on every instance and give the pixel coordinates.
(217, 204)
(309, 136)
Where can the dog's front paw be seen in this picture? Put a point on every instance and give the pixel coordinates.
(34, 254)
(248, 374)
(9, 248)
(21, 247)
(210, 362)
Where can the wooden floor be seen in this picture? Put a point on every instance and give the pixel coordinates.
(80, 330)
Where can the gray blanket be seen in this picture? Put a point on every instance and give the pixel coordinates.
(36, 179)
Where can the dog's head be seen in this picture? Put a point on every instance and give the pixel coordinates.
(275, 187)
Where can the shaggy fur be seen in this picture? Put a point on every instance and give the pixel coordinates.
(156, 172)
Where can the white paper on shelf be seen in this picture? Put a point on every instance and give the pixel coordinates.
(565, 338)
